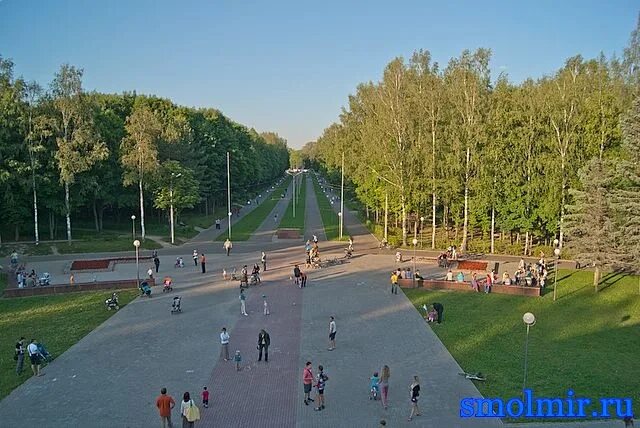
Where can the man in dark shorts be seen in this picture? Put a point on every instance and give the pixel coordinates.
(19, 355)
(320, 384)
(307, 381)
(34, 356)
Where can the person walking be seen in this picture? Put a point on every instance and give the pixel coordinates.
(224, 341)
(296, 276)
(332, 334)
(217, 224)
(243, 303)
(414, 389)
(203, 262)
(384, 385)
(321, 380)
(303, 279)
(165, 403)
(156, 262)
(263, 343)
(307, 381)
(263, 259)
(19, 356)
(205, 397)
(195, 257)
(35, 357)
(394, 282)
(227, 246)
(265, 305)
(189, 411)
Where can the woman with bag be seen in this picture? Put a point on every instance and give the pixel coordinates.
(189, 410)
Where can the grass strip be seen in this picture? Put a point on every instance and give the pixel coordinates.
(330, 219)
(584, 341)
(247, 225)
(57, 321)
(288, 221)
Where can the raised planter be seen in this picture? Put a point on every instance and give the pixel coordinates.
(103, 264)
(466, 286)
(288, 234)
(472, 265)
(85, 286)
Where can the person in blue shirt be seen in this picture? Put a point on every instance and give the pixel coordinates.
(374, 387)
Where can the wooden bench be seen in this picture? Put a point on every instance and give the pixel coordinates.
(83, 286)
(466, 286)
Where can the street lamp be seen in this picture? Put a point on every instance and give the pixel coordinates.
(136, 244)
(173, 175)
(530, 320)
(421, 221)
(133, 220)
(294, 173)
(415, 242)
(229, 191)
(556, 252)
(340, 221)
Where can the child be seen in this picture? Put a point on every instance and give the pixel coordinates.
(374, 387)
(224, 274)
(432, 316)
(237, 358)
(265, 304)
(205, 397)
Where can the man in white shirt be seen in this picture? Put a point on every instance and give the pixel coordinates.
(34, 356)
(332, 334)
(224, 341)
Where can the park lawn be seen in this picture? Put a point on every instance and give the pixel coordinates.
(244, 228)
(58, 321)
(288, 221)
(585, 341)
(329, 216)
(104, 242)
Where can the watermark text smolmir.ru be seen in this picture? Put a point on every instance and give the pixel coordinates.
(529, 406)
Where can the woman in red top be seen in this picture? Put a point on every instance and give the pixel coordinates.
(307, 380)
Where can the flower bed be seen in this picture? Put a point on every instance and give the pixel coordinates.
(471, 265)
(90, 264)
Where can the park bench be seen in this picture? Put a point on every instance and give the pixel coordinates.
(67, 288)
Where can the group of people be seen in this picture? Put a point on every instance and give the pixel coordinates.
(189, 411)
(313, 253)
(35, 351)
(25, 279)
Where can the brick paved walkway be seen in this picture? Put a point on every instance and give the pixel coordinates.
(261, 394)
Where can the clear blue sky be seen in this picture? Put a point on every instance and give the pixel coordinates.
(288, 66)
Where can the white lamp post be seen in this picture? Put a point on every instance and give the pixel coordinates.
(136, 244)
(415, 243)
(556, 252)
(133, 221)
(530, 320)
(340, 221)
(229, 192)
(421, 221)
(173, 175)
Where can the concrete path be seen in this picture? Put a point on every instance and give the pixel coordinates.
(265, 233)
(208, 235)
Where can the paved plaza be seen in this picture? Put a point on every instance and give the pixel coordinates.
(112, 377)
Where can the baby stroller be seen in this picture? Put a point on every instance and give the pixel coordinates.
(167, 284)
(316, 262)
(348, 252)
(179, 263)
(145, 289)
(255, 279)
(112, 302)
(175, 305)
(46, 356)
(44, 280)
